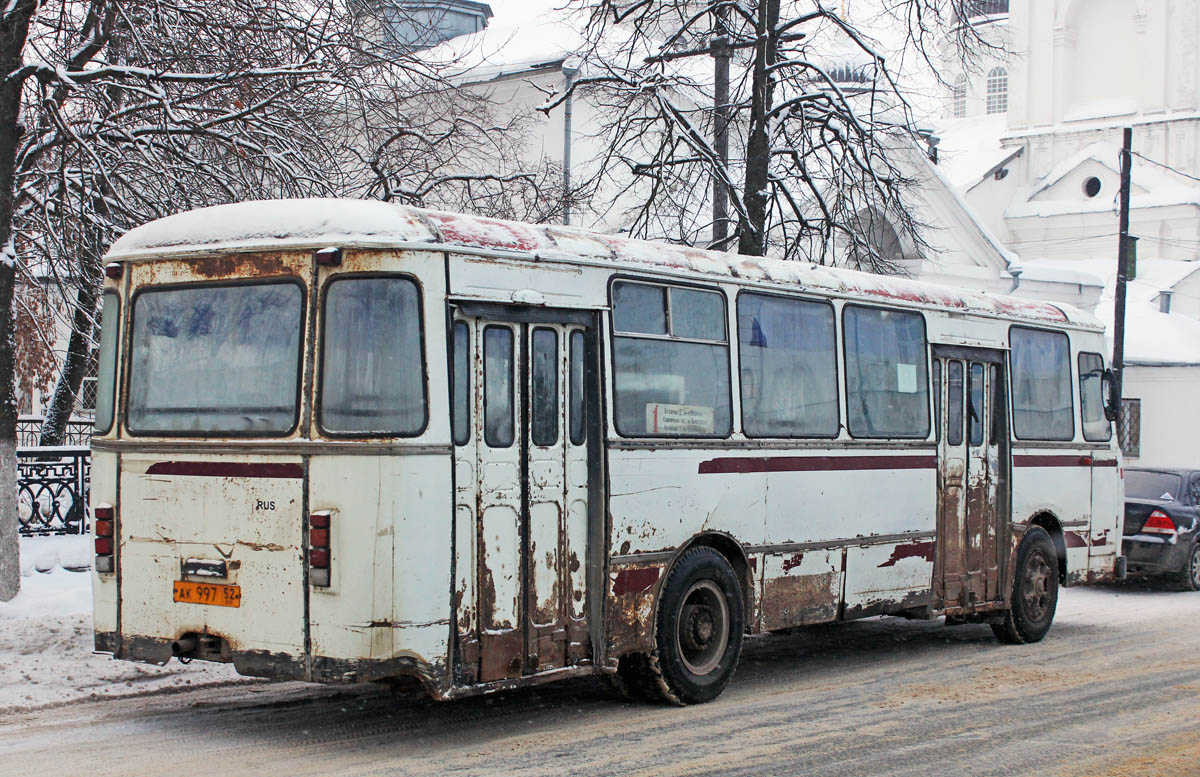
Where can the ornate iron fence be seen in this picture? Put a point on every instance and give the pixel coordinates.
(29, 431)
(52, 490)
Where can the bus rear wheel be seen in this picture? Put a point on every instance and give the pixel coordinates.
(698, 631)
(1035, 591)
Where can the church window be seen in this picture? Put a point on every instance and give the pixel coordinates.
(997, 90)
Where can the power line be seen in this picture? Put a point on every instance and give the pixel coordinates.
(1165, 166)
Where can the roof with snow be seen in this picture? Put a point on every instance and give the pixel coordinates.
(316, 223)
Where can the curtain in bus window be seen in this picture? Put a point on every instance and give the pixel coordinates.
(1041, 379)
(1096, 428)
(372, 375)
(887, 380)
(671, 373)
(788, 367)
(216, 359)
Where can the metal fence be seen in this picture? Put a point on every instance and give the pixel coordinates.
(52, 490)
(29, 432)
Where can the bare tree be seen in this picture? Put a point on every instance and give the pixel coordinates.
(821, 134)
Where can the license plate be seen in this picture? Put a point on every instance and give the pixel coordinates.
(208, 593)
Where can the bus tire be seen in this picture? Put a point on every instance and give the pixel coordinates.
(698, 631)
(1035, 591)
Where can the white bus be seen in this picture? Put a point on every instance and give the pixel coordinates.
(354, 441)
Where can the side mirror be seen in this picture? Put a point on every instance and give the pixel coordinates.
(1112, 403)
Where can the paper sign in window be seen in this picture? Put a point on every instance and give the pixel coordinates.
(906, 378)
(678, 419)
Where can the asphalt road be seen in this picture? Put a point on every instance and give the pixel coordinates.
(1114, 690)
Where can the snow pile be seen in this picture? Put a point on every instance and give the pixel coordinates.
(46, 639)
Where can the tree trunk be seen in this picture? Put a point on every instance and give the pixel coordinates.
(14, 30)
(79, 351)
(752, 228)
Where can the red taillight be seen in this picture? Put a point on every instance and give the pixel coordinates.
(105, 529)
(319, 553)
(113, 270)
(1159, 523)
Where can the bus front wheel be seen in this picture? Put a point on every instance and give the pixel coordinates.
(1035, 591)
(698, 631)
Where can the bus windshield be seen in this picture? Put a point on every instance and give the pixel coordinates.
(216, 359)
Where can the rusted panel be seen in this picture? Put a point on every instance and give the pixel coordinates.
(633, 590)
(745, 465)
(801, 589)
(501, 655)
(922, 549)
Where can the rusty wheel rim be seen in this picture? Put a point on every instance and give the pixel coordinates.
(702, 627)
(1036, 590)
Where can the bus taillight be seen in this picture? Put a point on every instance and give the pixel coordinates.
(319, 555)
(105, 518)
(1159, 523)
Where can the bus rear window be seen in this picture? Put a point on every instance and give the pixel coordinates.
(372, 369)
(216, 359)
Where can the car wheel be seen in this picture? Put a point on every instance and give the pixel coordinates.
(1035, 591)
(698, 633)
(1189, 576)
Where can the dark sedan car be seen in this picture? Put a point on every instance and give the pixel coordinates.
(1162, 524)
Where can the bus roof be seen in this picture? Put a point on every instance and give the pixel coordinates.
(317, 223)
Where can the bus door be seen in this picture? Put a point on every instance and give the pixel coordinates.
(521, 463)
(973, 515)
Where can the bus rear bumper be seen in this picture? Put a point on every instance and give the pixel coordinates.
(277, 666)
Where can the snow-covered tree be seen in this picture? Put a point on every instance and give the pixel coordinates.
(804, 131)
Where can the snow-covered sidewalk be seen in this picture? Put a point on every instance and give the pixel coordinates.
(46, 638)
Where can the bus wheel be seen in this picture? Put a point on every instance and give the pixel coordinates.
(1035, 591)
(698, 636)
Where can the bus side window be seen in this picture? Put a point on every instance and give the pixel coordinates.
(462, 383)
(575, 375)
(954, 403)
(937, 400)
(544, 407)
(498, 386)
(976, 411)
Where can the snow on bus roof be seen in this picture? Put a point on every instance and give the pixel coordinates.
(315, 223)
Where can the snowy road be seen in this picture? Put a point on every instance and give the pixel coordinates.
(1114, 690)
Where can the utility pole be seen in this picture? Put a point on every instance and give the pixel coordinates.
(1118, 359)
(720, 197)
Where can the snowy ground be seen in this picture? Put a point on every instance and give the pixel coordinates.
(46, 637)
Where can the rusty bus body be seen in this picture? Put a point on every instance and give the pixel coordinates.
(574, 421)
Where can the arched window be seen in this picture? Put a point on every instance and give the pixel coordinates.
(997, 90)
(959, 95)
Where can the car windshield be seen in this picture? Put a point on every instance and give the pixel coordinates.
(216, 359)
(1151, 484)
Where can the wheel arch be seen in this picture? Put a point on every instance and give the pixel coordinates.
(1053, 527)
(735, 554)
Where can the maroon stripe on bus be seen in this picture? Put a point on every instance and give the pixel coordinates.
(747, 465)
(1039, 460)
(635, 581)
(227, 469)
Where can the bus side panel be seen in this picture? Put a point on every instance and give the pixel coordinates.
(1055, 482)
(104, 585)
(1104, 537)
(658, 502)
(387, 610)
(841, 503)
